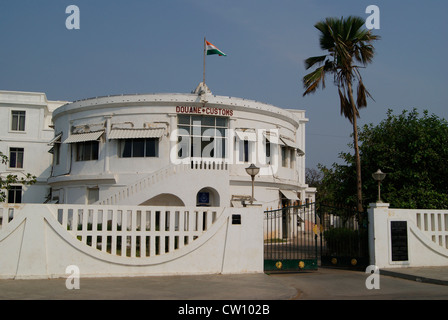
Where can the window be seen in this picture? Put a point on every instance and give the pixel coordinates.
(244, 150)
(56, 148)
(268, 151)
(284, 157)
(15, 194)
(202, 136)
(288, 157)
(292, 158)
(140, 148)
(16, 158)
(56, 153)
(183, 147)
(17, 120)
(87, 150)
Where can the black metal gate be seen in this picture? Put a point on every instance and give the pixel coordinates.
(291, 238)
(343, 237)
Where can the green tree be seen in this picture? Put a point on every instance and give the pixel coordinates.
(412, 150)
(9, 179)
(349, 47)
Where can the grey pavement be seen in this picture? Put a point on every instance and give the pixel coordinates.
(337, 284)
(324, 283)
(195, 287)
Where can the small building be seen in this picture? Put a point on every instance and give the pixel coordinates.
(25, 131)
(179, 149)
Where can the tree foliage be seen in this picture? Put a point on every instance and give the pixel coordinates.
(349, 47)
(8, 179)
(411, 148)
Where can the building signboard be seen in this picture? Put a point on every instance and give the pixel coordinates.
(204, 110)
(203, 198)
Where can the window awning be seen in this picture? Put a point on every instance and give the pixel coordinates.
(273, 138)
(246, 135)
(136, 133)
(82, 137)
(288, 143)
(55, 139)
(290, 194)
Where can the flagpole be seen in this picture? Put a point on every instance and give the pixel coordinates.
(203, 74)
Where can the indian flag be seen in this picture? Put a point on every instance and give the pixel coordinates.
(211, 49)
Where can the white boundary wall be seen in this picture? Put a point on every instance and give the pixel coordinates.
(427, 236)
(41, 241)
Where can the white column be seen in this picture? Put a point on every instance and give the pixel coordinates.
(378, 234)
(106, 145)
(172, 137)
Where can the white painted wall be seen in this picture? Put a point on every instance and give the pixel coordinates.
(39, 243)
(427, 232)
(34, 139)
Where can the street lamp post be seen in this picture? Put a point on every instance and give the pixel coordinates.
(379, 176)
(252, 170)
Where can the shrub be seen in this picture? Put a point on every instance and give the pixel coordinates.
(344, 241)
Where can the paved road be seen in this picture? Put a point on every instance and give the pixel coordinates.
(323, 284)
(334, 284)
(195, 287)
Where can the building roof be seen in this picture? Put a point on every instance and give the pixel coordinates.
(201, 96)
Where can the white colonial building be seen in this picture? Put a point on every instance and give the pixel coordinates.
(25, 130)
(177, 149)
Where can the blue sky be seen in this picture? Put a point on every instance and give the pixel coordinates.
(146, 46)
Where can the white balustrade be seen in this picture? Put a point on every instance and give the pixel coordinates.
(133, 231)
(434, 224)
(152, 179)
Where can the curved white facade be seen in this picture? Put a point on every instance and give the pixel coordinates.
(177, 149)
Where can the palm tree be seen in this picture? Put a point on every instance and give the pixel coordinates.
(350, 48)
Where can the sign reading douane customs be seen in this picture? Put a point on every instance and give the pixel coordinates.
(399, 240)
(204, 110)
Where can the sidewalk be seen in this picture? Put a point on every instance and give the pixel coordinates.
(434, 275)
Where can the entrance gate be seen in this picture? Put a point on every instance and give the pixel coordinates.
(305, 236)
(291, 238)
(343, 237)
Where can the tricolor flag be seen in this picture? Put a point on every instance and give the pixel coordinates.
(211, 49)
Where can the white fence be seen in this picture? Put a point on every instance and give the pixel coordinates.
(133, 232)
(407, 238)
(40, 241)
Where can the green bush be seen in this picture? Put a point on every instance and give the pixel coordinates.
(344, 241)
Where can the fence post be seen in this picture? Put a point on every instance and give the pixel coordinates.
(378, 237)
(32, 261)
